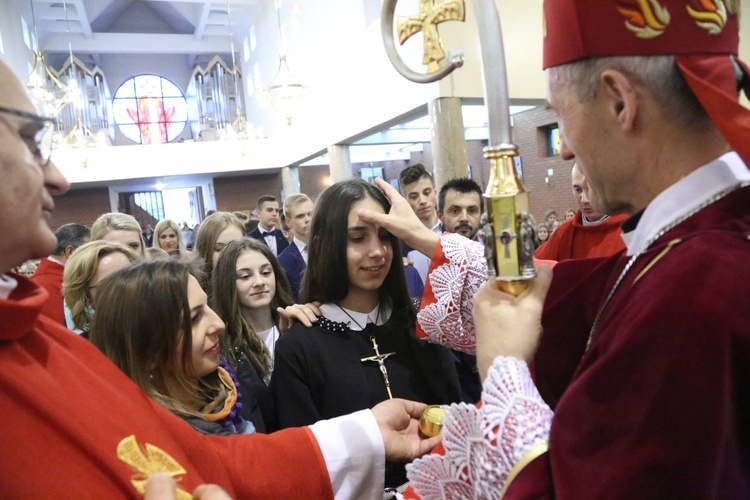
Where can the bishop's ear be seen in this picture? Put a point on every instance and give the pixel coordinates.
(620, 95)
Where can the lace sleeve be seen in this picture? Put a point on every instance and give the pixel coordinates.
(482, 445)
(457, 270)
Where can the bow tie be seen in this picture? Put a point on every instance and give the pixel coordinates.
(266, 233)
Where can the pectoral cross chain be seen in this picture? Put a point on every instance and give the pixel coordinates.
(379, 359)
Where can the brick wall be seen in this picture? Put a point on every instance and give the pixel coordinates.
(242, 192)
(83, 206)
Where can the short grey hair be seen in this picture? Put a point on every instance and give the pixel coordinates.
(658, 74)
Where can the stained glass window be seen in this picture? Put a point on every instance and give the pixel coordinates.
(149, 109)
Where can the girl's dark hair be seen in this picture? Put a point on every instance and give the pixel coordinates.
(323, 280)
(142, 320)
(239, 336)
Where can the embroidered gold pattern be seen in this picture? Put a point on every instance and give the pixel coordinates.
(645, 18)
(711, 15)
(664, 252)
(149, 460)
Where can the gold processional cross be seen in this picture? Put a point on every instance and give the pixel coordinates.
(430, 15)
(379, 359)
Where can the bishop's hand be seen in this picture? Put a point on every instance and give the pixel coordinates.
(507, 325)
(401, 221)
(398, 420)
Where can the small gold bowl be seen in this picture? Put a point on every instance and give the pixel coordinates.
(431, 421)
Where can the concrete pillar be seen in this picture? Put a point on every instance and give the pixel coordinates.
(290, 180)
(448, 142)
(340, 163)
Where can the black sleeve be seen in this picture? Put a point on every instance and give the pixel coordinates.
(295, 402)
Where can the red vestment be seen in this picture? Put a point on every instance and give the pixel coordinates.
(573, 240)
(74, 426)
(49, 274)
(659, 405)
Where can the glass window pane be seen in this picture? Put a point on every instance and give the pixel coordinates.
(124, 111)
(127, 89)
(132, 132)
(169, 89)
(174, 130)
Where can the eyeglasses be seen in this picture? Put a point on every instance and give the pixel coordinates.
(42, 141)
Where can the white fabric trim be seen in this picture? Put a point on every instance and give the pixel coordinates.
(353, 450)
(56, 261)
(334, 312)
(7, 285)
(684, 196)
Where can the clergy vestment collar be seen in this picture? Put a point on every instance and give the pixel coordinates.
(334, 312)
(680, 199)
(7, 285)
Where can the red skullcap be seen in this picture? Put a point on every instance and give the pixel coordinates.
(703, 35)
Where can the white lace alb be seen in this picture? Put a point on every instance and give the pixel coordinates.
(483, 444)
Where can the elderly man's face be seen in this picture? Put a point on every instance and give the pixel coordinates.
(588, 134)
(27, 188)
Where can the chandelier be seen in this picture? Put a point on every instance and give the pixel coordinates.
(285, 90)
(48, 93)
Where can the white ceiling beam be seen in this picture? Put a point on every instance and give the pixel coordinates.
(232, 2)
(201, 26)
(138, 43)
(83, 19)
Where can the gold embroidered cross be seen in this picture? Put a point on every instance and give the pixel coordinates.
(379, 359)
(430, 15)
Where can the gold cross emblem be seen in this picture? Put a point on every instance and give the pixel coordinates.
(430, 15)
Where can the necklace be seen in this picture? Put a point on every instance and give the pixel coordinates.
(377, 358)
(357, 322)
(629, 265)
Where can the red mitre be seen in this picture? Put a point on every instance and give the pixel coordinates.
(703, 35)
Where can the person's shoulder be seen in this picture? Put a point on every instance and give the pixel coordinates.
(287, 255)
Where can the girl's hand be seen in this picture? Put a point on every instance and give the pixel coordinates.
(307, 314)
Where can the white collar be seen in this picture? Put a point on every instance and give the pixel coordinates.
(7, 285)
(55, 260)
(684, 196)
(356, 320)
(301, 245)
(586, 222)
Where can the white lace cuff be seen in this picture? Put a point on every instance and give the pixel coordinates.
(482, 445)
(447, 318)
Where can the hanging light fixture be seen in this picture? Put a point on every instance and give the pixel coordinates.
(285, 90)
(237, 130)
(49, 94)
(80, 135)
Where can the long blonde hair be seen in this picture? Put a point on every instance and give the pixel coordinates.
(162, 226)
(80, 269)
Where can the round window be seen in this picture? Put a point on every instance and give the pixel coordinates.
(149, 109)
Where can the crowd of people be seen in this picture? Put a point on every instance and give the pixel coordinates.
(209, 367)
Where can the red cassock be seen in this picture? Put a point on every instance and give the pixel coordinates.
(573, 240)
(49, 274)
(74, 426)
(659, 404)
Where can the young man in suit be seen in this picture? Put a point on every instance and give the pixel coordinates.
(267, 211)
(298, 209)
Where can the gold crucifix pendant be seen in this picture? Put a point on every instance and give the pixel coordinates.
(379, 359)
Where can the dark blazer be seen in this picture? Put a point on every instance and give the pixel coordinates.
(281, 242)
(294, 266)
